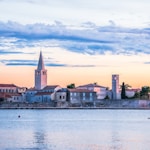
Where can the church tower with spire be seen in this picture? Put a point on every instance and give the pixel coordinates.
(40, 74)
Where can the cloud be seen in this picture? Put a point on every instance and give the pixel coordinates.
(17, 62)
(86, 39)
(147, 63)
(5, 52)
(20, 62)
(55, 65)
(82, 66)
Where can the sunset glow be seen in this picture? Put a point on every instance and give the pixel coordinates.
(82, 42)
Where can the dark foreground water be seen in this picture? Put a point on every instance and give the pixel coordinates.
(75, 130)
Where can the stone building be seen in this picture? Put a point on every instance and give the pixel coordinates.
(12, 93)
(101, 91)
(81, 96)
(115, 87)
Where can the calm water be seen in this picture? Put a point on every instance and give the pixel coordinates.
(75, 130)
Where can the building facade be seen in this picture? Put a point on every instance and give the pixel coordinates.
(81, 96)
(101, 91)
(12, 93)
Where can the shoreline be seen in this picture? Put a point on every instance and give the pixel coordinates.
(60, 108)
(101, 104)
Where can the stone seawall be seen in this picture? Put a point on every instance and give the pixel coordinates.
(97, 104)
(128, 103)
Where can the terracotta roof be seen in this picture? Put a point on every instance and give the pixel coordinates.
(63, 90)
(14, 94)
(4, 95)
(134, 90)
(9, 95)
(50, 87)
(32, 89)
(91, 85)
(43, 93)
(80, 90)
(7, 85)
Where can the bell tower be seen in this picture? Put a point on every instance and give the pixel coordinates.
(40, 74)
(115, 86)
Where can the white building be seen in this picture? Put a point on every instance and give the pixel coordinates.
(115, 87)
(12, 93)
(15, 97)
(79, 96)
(101, 91)
(8, 88)
(131, 92)
(40, 74)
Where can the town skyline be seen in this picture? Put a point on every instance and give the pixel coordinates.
(30, 78)
(82, 42)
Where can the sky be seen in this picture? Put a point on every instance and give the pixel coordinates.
(82, 41)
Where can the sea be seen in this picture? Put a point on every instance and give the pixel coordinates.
(74, 129)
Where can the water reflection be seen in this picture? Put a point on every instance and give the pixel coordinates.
(40, 141)
(116, 143)
(74, 130)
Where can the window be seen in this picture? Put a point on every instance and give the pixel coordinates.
(91, 96)
(83, 96)
(60, 97)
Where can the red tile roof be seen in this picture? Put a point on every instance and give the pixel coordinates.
(8, 95)
(50, 87)
(32, 89)
(43, 93)
(4, 95)
(7, 85)
(133, 90)
(90, 85)
(80, 90)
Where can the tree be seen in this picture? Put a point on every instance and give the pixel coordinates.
(123, 91)
(136, 95)
(145, 91)
(71, 86)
